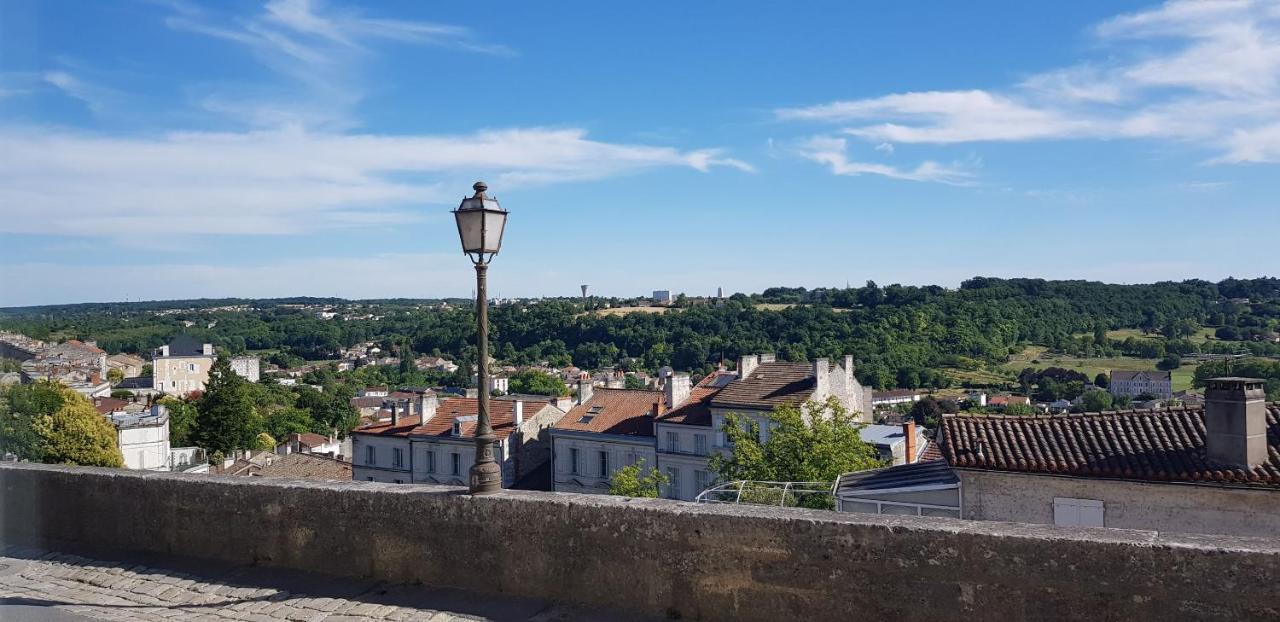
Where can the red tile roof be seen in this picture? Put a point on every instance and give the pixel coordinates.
(696, 410)
(614, 411)
(106, 405)
(769, 385)
(501, 418)
(310, 439)
(1161, 446)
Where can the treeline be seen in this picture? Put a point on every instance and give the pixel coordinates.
(899, 335)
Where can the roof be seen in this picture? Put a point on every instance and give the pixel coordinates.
(997, 400)
(1131, 375)
(501, 418)
(140, 382)
(311, 439)
(932, 473)
(770, 384)
(105, 405)
(696, 410)
(1160, 446)
(307, 466)
(368, 401)
(614, 411)
(887, 435)
(185, 345)
(126, 359)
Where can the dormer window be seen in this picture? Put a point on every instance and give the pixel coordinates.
(457, 428)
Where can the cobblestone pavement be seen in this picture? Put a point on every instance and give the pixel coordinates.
(38, 585)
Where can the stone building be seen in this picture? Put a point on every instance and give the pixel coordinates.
(182, 366)
(128, 364)
(607, 430)
(1134, 383)
(1211, 470)
(434, 442)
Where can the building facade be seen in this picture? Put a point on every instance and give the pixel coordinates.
(247, 367)
(143, 437)
(182, 366)
(608, 429)
(437, 445)
(1158, 384)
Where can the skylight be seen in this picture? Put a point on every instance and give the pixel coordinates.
(586, 418)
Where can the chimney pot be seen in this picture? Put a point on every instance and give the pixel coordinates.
(1235, 421)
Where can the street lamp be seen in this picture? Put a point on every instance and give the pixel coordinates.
(480, 223)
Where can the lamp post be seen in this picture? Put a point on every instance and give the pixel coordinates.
(480, 223)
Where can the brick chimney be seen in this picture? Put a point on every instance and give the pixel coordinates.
(747, 363)
(1235, 421)
(909, 432)
(677, 390)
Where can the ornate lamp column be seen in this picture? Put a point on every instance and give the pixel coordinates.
(480, 224)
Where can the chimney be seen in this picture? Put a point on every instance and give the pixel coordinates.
(909, 432)
(584, 391)
(768, 357)
(395, 412)
(563, 403)
(208, 349)
(657, 409)
(427, 403)
(747, 363)
(1235, 421)
(822, 379)
(677, 390)
(848, 371)
(518, 413)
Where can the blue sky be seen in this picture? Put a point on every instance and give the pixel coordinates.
(171, 149)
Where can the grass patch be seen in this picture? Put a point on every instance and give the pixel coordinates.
(1093, 366)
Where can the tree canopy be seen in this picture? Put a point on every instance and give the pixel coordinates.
(47, 422)
(633, 481)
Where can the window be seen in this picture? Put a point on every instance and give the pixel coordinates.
(431, 461)
(700, 443)
(371, 455)
(673, 487)
(191, 367)
(700, 480)
(573, 460)
(457, 463)
(399, 481)
(397, 457)
(369, 478)
(673, 442)
(604, 464)
(1069, 512)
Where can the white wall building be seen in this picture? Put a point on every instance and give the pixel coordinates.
(246, 367)
(607, 430)
(435, 442)
(182, 366)
(143, 437)
(1135, 383)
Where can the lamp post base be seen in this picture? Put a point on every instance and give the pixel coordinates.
(486, 477)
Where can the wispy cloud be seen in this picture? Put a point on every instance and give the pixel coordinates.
(320, 50)
(833, 152)
(97, 98)
(284, 181)
(1202, 73)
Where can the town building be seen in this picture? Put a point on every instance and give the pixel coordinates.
(662, 297)
(141, 432)
(436, 444)
(128, 364)
(884, 399)
(1212, 470)
(607, 430)
(311, 443)
(182, 366)
(1158, 384)
(246, 367)
(81, 365)
(693, 427)
(1003, 401)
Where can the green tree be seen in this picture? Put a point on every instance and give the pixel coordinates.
(1097, 401)
(147, 370)
(76, 434)
(1020, 410)
(182, 420)
(632, 481)
(282, 422)
(633, 382)
(114, 376)
(264, 442)
(1169, 362)
(227, 419)
(535, 382)
(814, 447)
(1101, 381)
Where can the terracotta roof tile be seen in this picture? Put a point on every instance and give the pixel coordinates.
(501, 418)
(1162, 446)
(614, 411)
(697, 409)
(769, 385)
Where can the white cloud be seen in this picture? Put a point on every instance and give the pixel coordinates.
(284, 181)
(834, 153)
(96, 98)
(1206, 73)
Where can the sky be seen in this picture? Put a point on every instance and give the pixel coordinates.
(167, 149)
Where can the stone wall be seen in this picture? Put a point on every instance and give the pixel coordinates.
(690, 561)
(1189, 508)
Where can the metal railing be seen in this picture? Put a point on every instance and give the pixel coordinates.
(784, 494)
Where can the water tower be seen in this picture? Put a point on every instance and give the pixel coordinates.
(584, 290)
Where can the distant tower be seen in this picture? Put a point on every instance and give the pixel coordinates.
(719, 292)
(584, 290)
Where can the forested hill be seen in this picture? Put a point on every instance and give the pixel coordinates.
(892, 331)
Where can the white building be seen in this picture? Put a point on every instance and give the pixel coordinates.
(694, 427)
(143, 437)
(663, 297)
(607, 430)
(1134, 383)
(895, 397)
(310, 443)
(435, 442)
(246, 367)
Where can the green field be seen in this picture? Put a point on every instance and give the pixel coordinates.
(1094, 366)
